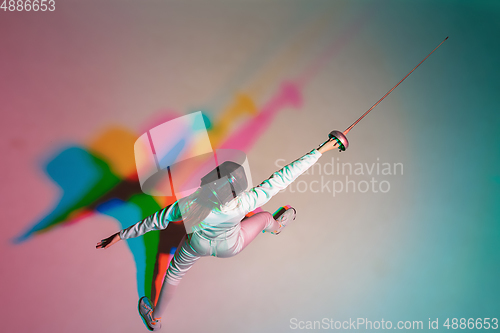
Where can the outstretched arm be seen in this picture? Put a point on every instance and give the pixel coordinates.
(156, 221)
(279, 180)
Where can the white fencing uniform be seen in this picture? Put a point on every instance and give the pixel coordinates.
(223, 233)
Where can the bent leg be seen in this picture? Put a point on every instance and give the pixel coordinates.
(183, 260)
(253, 225)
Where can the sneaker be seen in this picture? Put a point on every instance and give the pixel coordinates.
(146, 311)
(284, 215)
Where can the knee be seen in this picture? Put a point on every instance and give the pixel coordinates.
(267, 218)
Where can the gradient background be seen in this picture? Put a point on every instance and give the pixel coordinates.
(429, 248)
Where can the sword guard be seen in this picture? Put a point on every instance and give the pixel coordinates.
(340, 138)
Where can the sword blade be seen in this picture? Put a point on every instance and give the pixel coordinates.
(380, 100)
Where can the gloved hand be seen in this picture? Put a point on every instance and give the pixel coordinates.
(107, 242)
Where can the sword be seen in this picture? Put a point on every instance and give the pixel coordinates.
(341, 138)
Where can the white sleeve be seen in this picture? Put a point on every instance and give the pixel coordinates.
(157, 221)
(261, 194)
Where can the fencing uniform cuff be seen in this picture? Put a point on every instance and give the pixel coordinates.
(315, 152)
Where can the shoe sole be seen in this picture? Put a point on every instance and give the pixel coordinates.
(285, 212)
(280, 211)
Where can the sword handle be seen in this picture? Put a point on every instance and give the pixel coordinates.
(327, 141)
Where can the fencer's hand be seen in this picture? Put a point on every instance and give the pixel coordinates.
(329, 145)
(107, 242)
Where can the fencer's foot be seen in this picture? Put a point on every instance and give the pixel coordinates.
(284, 215)
(146, 311)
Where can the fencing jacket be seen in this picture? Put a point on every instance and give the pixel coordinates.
(227, 219)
